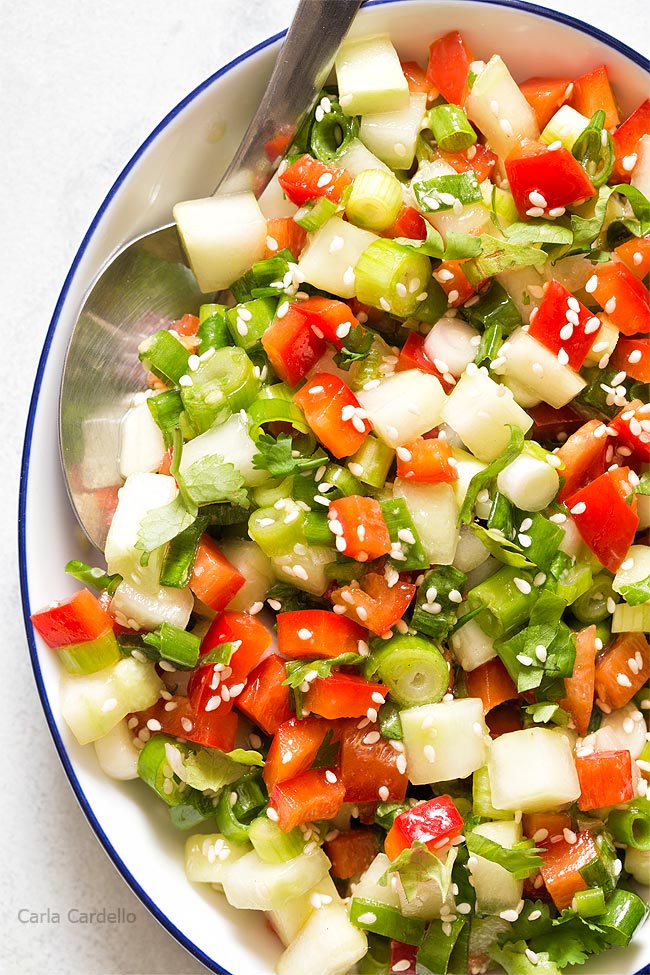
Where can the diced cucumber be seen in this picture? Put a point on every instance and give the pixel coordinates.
(403, 406)
(637, 571)
(497, 106)
(637, 862)
(229, 440)
(466, 467)
(273, 201)
(473, 218)
(256, 568)
(565, 127)
(145, 609)
(450, 342)
(523, 396)
(523, 285)
(356, 157)
(328, 944)
(142, 447)
(444, 741)
(604, 342)
(254, 885)
(481, 412)
(529, 482)
(536, 367)
(93, 704)
(139, 494)
(631, 619)
(392, 135)
(622, 730)
(470, 551)
(116, 753)
(209, 855)
(532, 770)
(222, 236)
(434, 510)
(369, 76)
(305, 569)
(328, 259)
(496, 888)
(482, 797)
(369, 887)
(288, 920)
(471, 646)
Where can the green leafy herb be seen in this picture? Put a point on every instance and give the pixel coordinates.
(490, 343)
(643, 487)
(513, 958)
(520, 861)
(545, 711)
(635, 593)
(456, 248)
(278, 456)
(502, 548)
(211, 480)
(356, 346)
(162, 524)
(446, 581)
(539, 232)
(210, 768)
(219, 654)
(500, 255)
(327, 754)
(483, 479)
(387, 812)
(418, 865)
(93, 576)
(594, 150)
(298, 670)
(587, 229)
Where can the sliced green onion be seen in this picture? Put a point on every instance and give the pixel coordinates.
(505, 608)
(342, 480)
(632, 825)
(271, 491)
(271, 844)
(590, 902)
(154, 769)
(89, 656)
(451, 128)
(601, 871)
(545, 536)
(314, 213)
(166, 642)
(445, 192)
(222, 385)
(248, 321)
(624, 914)
(373, 365)
(213, 329)
(263, 278)
(594, 150)
(381, 919)
(574, 582)
(371, 462)
(389, 722)
(166, 409)
(196, 808)
(412, 668)
(277, 529)
(275, 405)
(391, 277)
(438, 598)
(93, 576)
(250, 795)
(330, 135)
(591, 607)
(493, 307)
(408, 553)
(317, 529)
(431, 309)
(178, 560)
(491, 341)
(165, 356)
(438, 944)
(375, 199)
(227, 822)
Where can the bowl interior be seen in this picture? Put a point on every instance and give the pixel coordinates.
(182, 159)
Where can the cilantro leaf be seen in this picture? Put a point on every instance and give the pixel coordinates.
(298, 670)
(635, 593)
(162, 524)
(520, 861)
(587, 229)
(500, 255)
(418, 865)
(484, 478)
(504, 550)
(277, 456)
(211, 479)
(220, 654)
(513, 958)
(538, 231)
(356, 346)
(571, 940)
(544, 711)
(643, 487)
(457, 246)
(210, 768)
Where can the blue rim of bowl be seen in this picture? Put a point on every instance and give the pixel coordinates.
(143, 896)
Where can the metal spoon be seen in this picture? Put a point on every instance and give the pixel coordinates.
(148, 284)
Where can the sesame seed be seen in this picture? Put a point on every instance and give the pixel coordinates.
(579, 508)
(331, 776)
(509, 915)
(563, 357)
(535, 212)
(367, 918)
(610, 305)
(623, 680)
(532, 956)
(429, 753)
(556, 212)
(402, 965)
(629, 162)
(400, 764)
(591, 284)
(537, 199)
(522, 585)
(525, 660)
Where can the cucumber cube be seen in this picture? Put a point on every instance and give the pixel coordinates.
(327, 262)
(538, 369)
(251, 884)
(139, 494)
(404, 406)
(392, 135)
(370, 889)
(370, 76)
(532, 770)
(288, 920)
(444, 741)
(328, 944)
(208, 856)
(434, 510)
(496, 888)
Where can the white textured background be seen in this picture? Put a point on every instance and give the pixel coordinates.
(81, 86)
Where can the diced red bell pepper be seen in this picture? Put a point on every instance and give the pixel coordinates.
(553, 177)
(426, 461)
(292, 346)
(632, 356)
(352, 852)
(635, 253)
(343, 695)
(329, 318)
(563, 862)
(413, 356)
(553, 822)
(552, 424)
(604, 518)
(579, 688)
(209, 681)
(478, 159)
(416, 78)
(374, 602)
(615, 682)
(408, 223)
(214, 580)
(401, 953)
(592, 92)
(563, 322)
(448, 67)
(317, 633)
(583, 457)
(624, 299)
(284, 232)
(276, 147)
(177, 717)
(187, 325)
(605, 779)
(492, 683)
(632, 426)
(293, 749)
(626, 142)
(308, 178)
(360, 527)
(334, 413)
(310, 796)
(435, 823)
(545, 96)
(457, 287)
(371, 769)
(265, 699)
(78, 619)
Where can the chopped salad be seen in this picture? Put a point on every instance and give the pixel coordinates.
(373, 622)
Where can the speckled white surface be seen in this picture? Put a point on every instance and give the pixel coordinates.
(81, 86)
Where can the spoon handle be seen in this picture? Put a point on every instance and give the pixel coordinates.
(302, 67)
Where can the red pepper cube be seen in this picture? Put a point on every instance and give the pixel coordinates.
(545, 96)
(632, 356)
(265, 698)
(215, 580)
(371, 769)
(292, 346)
(360, 527)
(80, 618)
(591, 92)
(605, 520)
(626, 142)
(334, 413)
(435, 823)
(408, 223)
(318, 633)
(207, 682)
(623, 298)
(308, 178)
(478, 159)
(329, 318)
(563, 322)
(448, 67)
(426, 461)
(343, 695)
(293, 749)
(605, 779)
(351, 852)
(374, 602)
(635, 253)
(544, 181)
(632, 426)
(563, 862)
(214, 729)
(312, 795)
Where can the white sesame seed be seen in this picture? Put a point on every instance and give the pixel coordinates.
(579, 508)
(591, 284)
(371, 738)
(537, 199)
(610, 305)
(629, 162)
(522, 585)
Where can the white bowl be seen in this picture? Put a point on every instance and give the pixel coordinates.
(180, 160)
